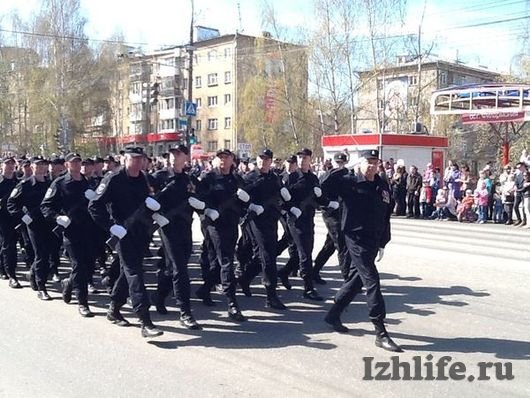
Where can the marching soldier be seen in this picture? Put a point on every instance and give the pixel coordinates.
(8, 234)
(24, 206)
(177, 204)
(224, 198)
(125, 194)
(66, 204)
(306, 195)
(366, 226)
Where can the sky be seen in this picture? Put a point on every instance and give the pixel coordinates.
(475, 31)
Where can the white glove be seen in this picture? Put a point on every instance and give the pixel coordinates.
(63, 221)
(380, 254)
(152, 204)
(333, 204)
(317, 191)
(90, 194)
(258, 209)
(242, 195)
(295, 211)
(212, 214)
(27, 219)
(196, 203)
(160, 219)
(286, 195)
(118, 231)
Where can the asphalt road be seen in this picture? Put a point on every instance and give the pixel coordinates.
(451, 290)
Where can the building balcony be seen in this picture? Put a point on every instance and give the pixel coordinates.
(171, 92)
(169, 113)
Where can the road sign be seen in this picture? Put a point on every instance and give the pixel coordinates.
(190, 108)
(183, 123)
(244, 147)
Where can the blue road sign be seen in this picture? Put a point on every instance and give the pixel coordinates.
(190, 108)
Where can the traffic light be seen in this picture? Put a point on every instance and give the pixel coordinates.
(155, 90)
(192, 139)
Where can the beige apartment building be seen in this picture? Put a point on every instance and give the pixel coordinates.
(400, 94)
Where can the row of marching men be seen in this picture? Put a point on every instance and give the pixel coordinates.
(128, 206)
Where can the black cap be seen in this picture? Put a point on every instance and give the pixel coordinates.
(73, 156)
(340, 157)
(38, 160)
(266, 153)
(24, 162)
(87, 162)
(180, 148)
(224, 151)
(291, 159)
(98, 159)
(134, 151)
(305, 152)
(57, 160)
(369, 154)
(109, 158)
(8, 159)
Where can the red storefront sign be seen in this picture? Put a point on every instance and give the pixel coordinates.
(500, 117)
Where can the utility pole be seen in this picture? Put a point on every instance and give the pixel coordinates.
(190, 75)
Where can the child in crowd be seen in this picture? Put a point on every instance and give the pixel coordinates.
(481, 200)
(426, 200)
(498, 207)
(440, 204)
(464, 210)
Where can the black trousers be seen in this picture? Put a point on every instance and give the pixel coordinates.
(517, 211)
(40, 237)
(25, 242)
(131, 250)
(413, 204)
(362, 271)
(283, 243)
(177, 245)
(264, 244)
(82, 254)
(55, 253)
(302, 232)
(334, 241)
(221, 245)
(9, 246)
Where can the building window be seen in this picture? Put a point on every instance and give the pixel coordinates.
(228, 98)
(228, 122)
(212, 79)
(443, 78)
(198, 82)
(212, 101)
(212, 56)
(227, 144)
(198, 101)
(212, 124)
(198, 125)
(228, 52)
(185, 84)
(228, 77)
(212, 146)
(136, 88)
(413, 80)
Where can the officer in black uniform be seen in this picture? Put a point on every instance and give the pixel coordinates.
(225, 200)
(177, 202)
(66, 204)
(24, 171)
(24, 205)
(332, 218)
(366, 226)
(306, 195)
(7, 227)
(125, 194)
(267, 195)
(56, 169)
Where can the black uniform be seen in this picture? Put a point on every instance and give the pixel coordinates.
(26, 199)
(7, 229)
(264, 190)
(176, 237)
(124, 197)
(332, 218)
(66, 196)
(219, 192)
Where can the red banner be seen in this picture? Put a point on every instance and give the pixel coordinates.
(499, 117)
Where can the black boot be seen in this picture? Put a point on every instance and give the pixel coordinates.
(382, 339)
(234, 313)
(333, 318)
(244, 283)
(67, 290)
(159, 304)
(309, 291)
(203, 292)
(284, 278)
(148, 328)
(274, 302)
(13, 284)
(32, 281)
(188, 321)
(114, 316)
(43, 295)
(85, 312)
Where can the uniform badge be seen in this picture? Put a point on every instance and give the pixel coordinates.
(101, 188)
(49, 193)
(386, 196)
(13, 192)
